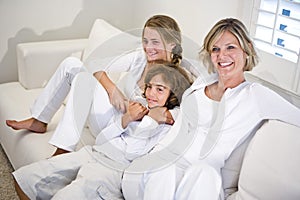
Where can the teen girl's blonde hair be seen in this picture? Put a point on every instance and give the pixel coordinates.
(170, 32)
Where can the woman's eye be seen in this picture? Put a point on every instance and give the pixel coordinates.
(231, 47)
(215, 49)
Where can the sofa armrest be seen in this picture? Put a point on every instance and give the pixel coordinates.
(37, 61)
(270, 169)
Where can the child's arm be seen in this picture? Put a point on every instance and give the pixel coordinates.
(162, 115)
(135, 112)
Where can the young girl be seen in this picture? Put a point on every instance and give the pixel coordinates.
(96, 171)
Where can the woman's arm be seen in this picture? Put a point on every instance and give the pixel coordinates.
(273, 106)
(116, 97)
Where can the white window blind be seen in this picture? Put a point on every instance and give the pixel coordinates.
(277, 28)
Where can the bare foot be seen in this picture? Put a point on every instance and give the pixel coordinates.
(60, 151)
(30, 124)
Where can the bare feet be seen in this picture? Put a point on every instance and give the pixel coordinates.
(30, 124)
(60, 151)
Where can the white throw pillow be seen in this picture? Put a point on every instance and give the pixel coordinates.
(100, 32)
(107, 43)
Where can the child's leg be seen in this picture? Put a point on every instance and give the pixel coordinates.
(42, 179)
(95, 181)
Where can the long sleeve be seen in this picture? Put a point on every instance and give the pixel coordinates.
(146, 135)
(114, 129)
(122, 63)
(272, 106)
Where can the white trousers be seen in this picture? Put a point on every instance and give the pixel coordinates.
(84, 174)
(87, 100)
(176, 181)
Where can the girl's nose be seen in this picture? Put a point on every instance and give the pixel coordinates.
(151, 92)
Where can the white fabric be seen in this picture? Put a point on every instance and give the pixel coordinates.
(99, 174)
(240, 111)
(100, 32)
(200, 181)
(270, 169)
(67, 135)
(37, 61)
(77, 175)
(56, 90)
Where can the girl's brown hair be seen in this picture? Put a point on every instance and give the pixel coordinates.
(174, 76)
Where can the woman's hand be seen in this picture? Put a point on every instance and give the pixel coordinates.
(162, 115)
(135, 112)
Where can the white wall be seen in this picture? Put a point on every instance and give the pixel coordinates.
(38, 20)
(195, 17)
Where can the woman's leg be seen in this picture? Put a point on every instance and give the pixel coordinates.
(51, 97)
(200, 181)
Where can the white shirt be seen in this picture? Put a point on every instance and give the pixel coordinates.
(210, 131)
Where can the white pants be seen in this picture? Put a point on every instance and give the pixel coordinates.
(56, 90)
(85, 174)
(87, 100)
(176, 181)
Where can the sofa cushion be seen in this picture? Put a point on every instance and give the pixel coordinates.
(106, 43)
(23, 147)
(100, 32)
(270, 168)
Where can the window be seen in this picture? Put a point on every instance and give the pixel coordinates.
(277, 28)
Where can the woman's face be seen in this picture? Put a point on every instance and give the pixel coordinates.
(154, 46)
(227, 56)
(157, 92)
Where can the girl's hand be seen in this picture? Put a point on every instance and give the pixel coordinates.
(162, 115)
(135, 112)
(118, 100)
(116, 97)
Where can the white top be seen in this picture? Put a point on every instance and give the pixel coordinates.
(210, 131)
(137, 139)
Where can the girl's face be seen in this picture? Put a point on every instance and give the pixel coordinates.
(154, 46)
(157, 92)
(227, 56)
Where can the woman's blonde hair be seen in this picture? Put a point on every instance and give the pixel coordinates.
(174, 76)
(169, 31)
(238, 29)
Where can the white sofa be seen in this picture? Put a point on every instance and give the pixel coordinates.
(269, 169)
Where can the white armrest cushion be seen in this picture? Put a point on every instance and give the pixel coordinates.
(270, 168)
(37, 61)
